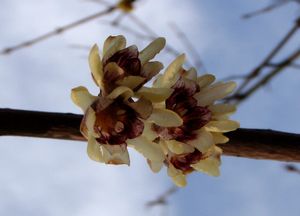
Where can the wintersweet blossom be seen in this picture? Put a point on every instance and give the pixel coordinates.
(114, 119)
(192, 145)
(178, 122)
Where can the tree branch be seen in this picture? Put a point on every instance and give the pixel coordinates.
(249, 143)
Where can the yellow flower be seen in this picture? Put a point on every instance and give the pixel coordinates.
(113, 117)
(121, 66)
(192, 145)
(176, 123)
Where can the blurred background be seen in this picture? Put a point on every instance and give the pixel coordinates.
(55, 177)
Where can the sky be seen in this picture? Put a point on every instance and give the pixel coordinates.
(55, 177)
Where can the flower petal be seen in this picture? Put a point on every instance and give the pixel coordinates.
(87, 124)
(179, 147)
(151, 50)
(219, 138)
(94, 150)
(165, 118)
(121, 91)
(151, 69)
(219, 91)
(155, 95)
(210, 165)
(221, 109)
(148, 149)
(115, 154)
(177, 176)
(191, 74)
(142, 107)
(205, 80)
(171, 74)
(131, 82)
(96, 66)
(203, 142)
(82, 98)
(112, 45)
(155, 166)
(148, 132)
(222, 126)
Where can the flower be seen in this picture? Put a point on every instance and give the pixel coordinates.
(121, 66)
(114, 117)
(177, 122)
(192, 145)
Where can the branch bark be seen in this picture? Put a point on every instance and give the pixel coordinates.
(249, 143)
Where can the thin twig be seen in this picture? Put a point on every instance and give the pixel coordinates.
(264, 10)
(292, 168)
(249, 143)
(162, 199)
(186, 42)
(269, 57)
(264, 80)
(257, 70)
(56, 32)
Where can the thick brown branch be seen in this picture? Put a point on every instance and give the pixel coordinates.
(250, 143)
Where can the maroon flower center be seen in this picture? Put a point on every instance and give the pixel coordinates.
(183, 162)
(182, 102)
(128, 60)
(116, 123)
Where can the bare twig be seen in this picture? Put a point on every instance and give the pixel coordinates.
(162, 199)
(292, 168)
(280, 67)
(186, 42)
(264, 10)
(57, 31)
(250, 143)
(256, 71)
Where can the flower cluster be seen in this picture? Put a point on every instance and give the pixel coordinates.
(176, 122)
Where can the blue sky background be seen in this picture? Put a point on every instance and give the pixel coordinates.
(54, 177)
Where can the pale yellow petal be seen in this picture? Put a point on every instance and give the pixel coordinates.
(179, 147)
(219, 138)
(87, 124)
(209, 95)
(177, 176)
(96, 66)
(155, 166)
(203, 142)
(165, 118)
(205, 80)
(222, 126)
(148, 149)
(112, 45)
(191, 74)
(172, 72)
(82, 98)
(142, 107)
(123, 91)
(155, 95)
(94, 150)
(221, 109)
(131, 82)
(115, 154)
(157, 83)
(151, 69)
(148, 132)
(151, 50)
(211, 164)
